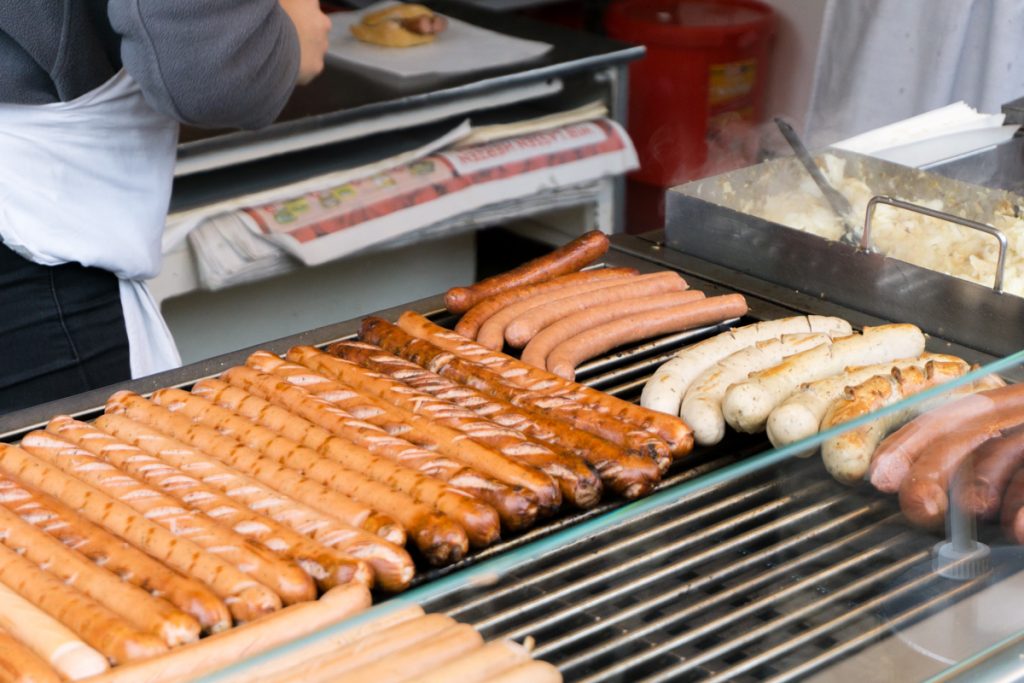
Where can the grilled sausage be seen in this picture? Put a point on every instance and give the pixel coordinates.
(479, 520)
(425, 25)
(252, 510)
(570, 257)
(1012, 516)
(391, 564)
(896, 455)
(246, 598)
(396, 490)
(107, 550)
(470, 323)
(665, 390)
(540, 347)
(612, 464)
(666, 429)
(530, 672)
(990, 469)
(19, 664)
(494, 331)
(516, 506)
(68, 452)
(480, 665)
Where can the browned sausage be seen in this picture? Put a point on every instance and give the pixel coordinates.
(470, 323)
(613, 465)
(107, 550)
(392, 566)
(539, 347)
(94, 623)
(573, 256)
(340, 464)
(144, 611)
(591, 341)
(18, 664)
(897, 453)
(494, 331)
(632, 474)
(445, 423)
(246, 598)
(988, 473)
(526, 326)
(516, 506)
(68, 452)
(667, 428)
(1013, 508)
(479, 520)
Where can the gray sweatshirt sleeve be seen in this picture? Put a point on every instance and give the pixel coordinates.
(210, 63)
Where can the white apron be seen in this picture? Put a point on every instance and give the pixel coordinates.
(89, 180)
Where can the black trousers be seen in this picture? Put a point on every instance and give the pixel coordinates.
(61, 331)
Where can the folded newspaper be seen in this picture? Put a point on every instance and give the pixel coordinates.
(413, 198)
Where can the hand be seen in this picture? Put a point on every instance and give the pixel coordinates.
(312, 26)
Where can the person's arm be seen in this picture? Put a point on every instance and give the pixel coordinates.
(220, 63)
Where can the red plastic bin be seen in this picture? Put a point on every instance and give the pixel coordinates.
(700, 86)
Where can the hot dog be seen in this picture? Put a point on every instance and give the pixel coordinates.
(665, 390)
(613, 465)
(107, 550)
(143, 611)
(246, 598)
(416, 448)
(530, 672)
(570, 257)
(284, 578)
(524, 327)
(1012, 516)
(336, 463)
(95, 624)
(479, 520)
(480, 665)
(667, 429)
(445, 422)
(391, 565)
(19, 664)
(254, 511)
(635, 480)
(540, 347)
(991, 467)
(896, 455)
(469, 324)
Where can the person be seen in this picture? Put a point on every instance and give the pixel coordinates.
(92, 93)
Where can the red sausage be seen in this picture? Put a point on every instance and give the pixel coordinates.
(1013, 508)
(988, 472)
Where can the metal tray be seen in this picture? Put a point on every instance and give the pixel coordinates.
(706, 218)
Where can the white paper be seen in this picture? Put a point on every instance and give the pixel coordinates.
(461, 48)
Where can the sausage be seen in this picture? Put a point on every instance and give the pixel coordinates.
(411, 444)
(337, 463)
(702, 406)
(479, 520)
(530, 672)
(548, 310)
(391, 565)
(493, 332)
(19, 664)
(252, 510)
(748, 404)
(613, 465)
(46, 637)
(470, 323)
(67, 452)
(445, 423)
(248, 640)
(145, 612)
(988, 473)
(637, 479)
(246, 598)
(107, 550)
(800, 415)
(896, 454)
(1012, 516)
(665, 390)
(578, 253)
(425, 25)
(95, 624)
(480, 665)
(667, 429)
(540, 347)
(255, 464)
